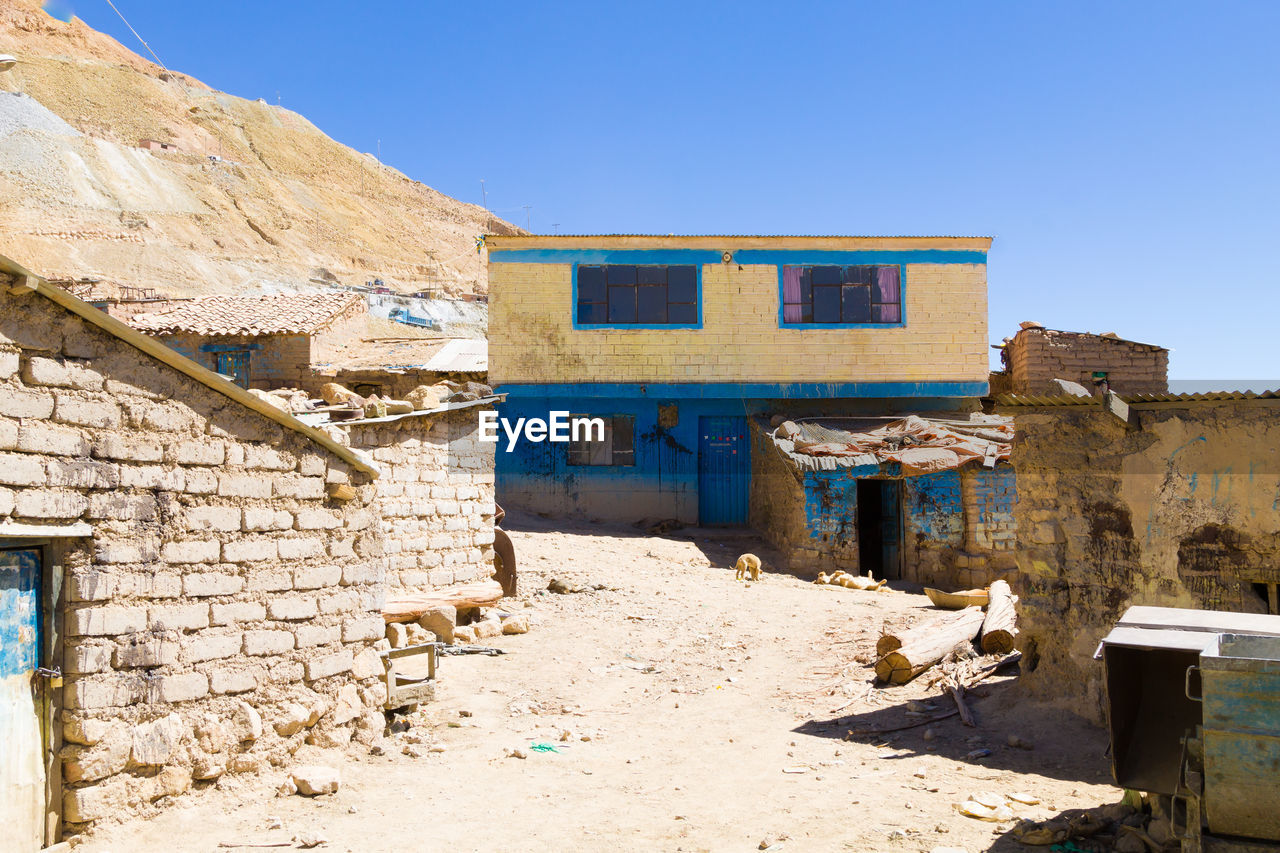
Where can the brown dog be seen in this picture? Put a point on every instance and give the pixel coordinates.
(747, 563)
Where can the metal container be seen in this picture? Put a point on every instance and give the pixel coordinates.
(1146, 659)
(1240, 694)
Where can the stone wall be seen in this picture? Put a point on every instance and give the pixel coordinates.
(1182, 511)
(224, 609)
(1037, 356)
(958, 526)
(435, 497)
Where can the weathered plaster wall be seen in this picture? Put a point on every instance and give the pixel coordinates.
(1183, 511)
(435, 497)
(224, 609)
(275, 361)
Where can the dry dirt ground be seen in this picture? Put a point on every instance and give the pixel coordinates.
(688, 712)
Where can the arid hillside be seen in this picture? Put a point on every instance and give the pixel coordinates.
(252, 198)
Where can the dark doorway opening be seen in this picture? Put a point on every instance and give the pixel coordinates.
(880, 528)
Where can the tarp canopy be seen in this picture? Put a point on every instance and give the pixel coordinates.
(919, 445)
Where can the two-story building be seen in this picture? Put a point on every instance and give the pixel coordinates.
(678, 341)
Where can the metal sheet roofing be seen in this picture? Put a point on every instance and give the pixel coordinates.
(1030, 400)
(298, 313)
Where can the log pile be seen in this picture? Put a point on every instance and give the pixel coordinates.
(904, 654)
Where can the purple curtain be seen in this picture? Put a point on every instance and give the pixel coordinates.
(791, 312)
(887, 289)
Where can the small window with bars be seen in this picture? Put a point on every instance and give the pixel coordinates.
(830, 295)
(630, 295)
(615, 447)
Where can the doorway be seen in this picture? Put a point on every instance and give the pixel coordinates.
(879, 518)
(24, 728)
(724, 471)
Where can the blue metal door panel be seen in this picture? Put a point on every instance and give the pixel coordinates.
(891, 529)
(235, 364)
(724, 470)
(22, 785)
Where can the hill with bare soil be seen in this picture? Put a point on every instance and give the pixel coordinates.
(251, 197)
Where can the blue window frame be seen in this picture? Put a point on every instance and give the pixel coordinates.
(637, 296)
(822, 296)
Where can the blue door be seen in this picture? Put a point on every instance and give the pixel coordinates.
(22, 787)
(724, 470)
(235, 366)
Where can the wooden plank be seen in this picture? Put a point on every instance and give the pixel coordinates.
(411, 606)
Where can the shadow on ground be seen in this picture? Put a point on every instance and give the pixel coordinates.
(1063, 746)
(720, 545)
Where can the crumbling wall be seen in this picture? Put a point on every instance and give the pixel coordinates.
(224, 609)
(1036, 356)
(1183, 511)
(435, 497)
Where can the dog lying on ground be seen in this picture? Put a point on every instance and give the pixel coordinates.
(747, 563)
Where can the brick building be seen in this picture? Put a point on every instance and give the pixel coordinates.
(1036, 356)
(677, 341)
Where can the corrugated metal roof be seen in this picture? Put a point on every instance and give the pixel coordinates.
(461, 356)
(1031, 400)
(749, 236)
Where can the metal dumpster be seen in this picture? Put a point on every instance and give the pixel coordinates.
(1193, 706)
(1240, 735)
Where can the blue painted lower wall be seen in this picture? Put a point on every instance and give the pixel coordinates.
(663, 483)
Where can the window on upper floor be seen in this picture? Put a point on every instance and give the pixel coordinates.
(849, 295)
(615, 446)
(630, 295)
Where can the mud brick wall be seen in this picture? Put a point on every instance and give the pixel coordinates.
(435, 497)
(958, 526)
(1183, 511)
(224, 610)
(1038, 356)
(275, 361)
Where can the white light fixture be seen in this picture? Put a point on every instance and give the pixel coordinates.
(7, 61)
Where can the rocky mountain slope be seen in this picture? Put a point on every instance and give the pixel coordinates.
(253, 198)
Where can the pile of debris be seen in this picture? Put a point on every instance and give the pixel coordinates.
(339, 403)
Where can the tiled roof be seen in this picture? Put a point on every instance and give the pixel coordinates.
(299, 313)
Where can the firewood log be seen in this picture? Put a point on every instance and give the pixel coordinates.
(1001, 624)
(929, 646)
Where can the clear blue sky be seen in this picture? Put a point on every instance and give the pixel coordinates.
(1123, 155)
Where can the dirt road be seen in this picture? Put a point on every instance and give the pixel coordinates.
(687, 712)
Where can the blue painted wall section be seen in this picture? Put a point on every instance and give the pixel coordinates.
(933, 508)
(663, 483)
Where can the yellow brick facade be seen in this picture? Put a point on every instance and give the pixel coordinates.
(532, 338)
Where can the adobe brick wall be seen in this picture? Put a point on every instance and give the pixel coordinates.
(279, 361)
(1180, 512)
(1036, 357)
(435, 497)
(532, 339)
(224, 610)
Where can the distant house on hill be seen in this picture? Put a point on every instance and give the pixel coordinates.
(305, 340)
(259, 341)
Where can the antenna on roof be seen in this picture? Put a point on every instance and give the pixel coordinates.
(528, 217)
